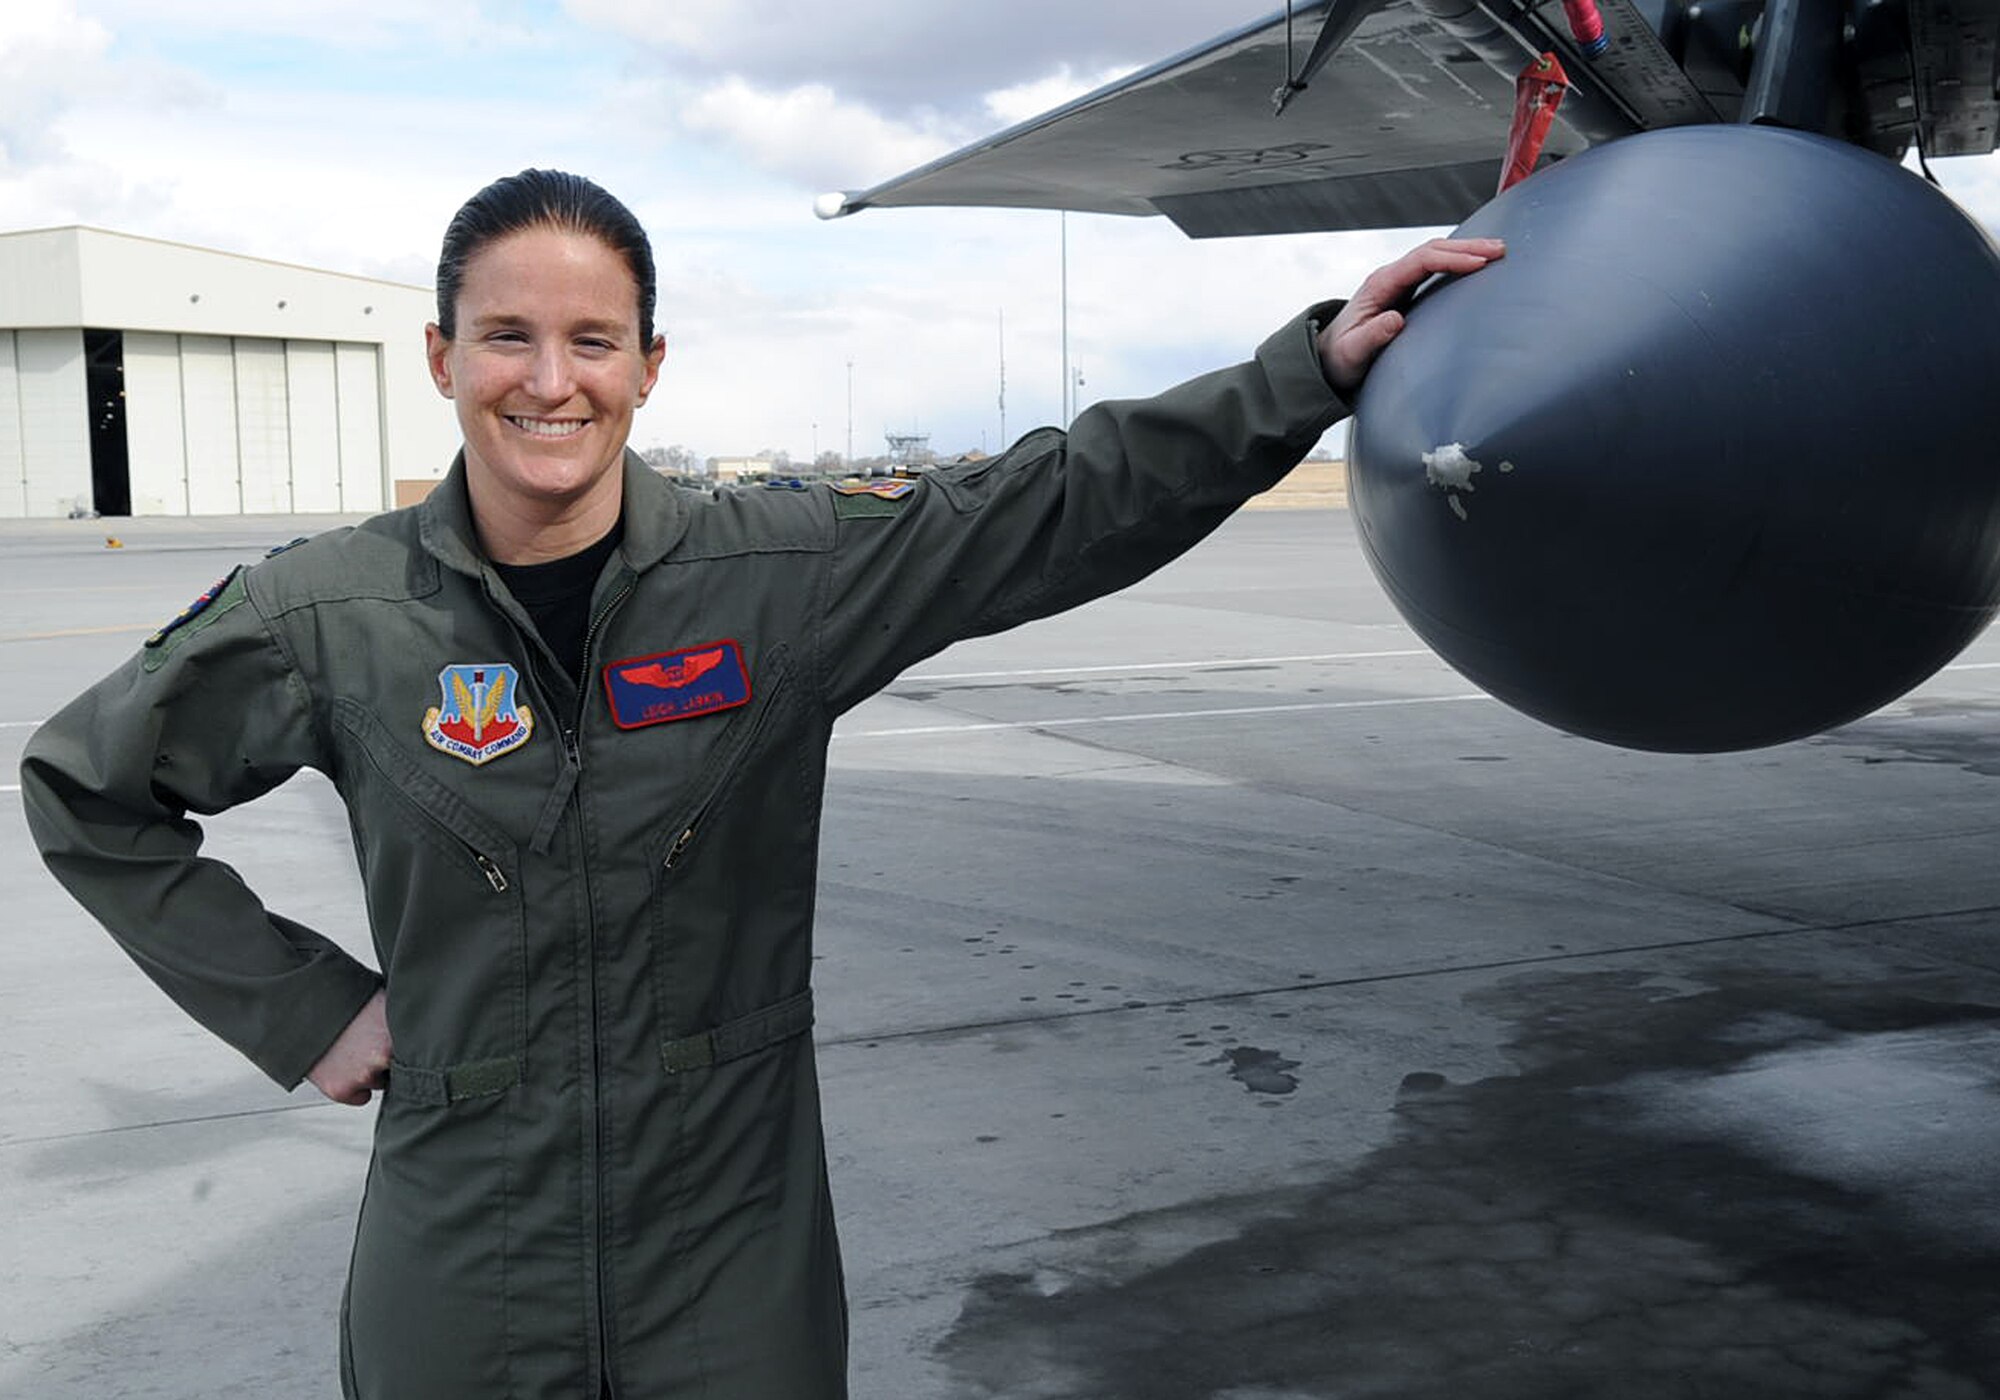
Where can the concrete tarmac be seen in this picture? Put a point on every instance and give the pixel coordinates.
(1219, 1000)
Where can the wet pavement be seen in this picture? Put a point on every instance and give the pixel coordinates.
(1218, 1001)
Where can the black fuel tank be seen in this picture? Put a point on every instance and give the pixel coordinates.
(1711, 459)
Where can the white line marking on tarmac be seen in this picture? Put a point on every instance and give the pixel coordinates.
(1210, 665)
(10, 787)
(1147, 666)
(1072, 722)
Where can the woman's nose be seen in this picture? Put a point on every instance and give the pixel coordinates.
(549, 377)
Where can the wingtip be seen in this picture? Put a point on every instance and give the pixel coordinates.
(832, 206)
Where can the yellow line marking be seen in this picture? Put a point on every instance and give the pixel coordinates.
(81, 632)
(84, 588)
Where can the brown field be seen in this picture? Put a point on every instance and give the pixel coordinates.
(1311, 486)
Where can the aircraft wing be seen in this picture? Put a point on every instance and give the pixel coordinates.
(1404, 123)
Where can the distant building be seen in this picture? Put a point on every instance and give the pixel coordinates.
(765, 464)
(139, 377)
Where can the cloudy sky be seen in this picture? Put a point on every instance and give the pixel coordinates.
(343, 133)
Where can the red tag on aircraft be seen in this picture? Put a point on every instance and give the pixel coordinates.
(1537, 93)
(675, 685)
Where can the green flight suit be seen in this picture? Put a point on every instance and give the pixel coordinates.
(599, 1154)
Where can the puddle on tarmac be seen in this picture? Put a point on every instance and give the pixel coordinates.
(1670, 1199)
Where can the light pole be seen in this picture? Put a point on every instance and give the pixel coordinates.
(1003, 378)
(1062, 218)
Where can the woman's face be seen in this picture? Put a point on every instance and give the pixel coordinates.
(546, 367)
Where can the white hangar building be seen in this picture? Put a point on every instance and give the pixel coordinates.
(139, 377)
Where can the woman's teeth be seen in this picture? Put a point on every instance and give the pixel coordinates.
(549, 427)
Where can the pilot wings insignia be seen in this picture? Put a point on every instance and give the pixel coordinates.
(672, 685)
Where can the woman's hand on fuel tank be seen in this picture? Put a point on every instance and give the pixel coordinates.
(1373, 316)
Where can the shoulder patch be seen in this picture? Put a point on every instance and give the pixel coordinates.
(478, 716)
(859, 500)
(224, 594)
(785, 483)
(863, 507)
(891, 489)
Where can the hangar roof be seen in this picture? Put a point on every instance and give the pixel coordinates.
(81, 276)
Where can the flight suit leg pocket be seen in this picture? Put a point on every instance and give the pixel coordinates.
(429, 1309)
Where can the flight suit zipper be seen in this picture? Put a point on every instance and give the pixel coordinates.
(681, 843)
(490, 868)
(567, 798)
(573, 753)
(494, 876)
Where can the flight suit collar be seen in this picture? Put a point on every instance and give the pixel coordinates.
(655, 514)
(655, 519)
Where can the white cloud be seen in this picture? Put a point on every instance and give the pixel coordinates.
(1974, 182)
(1023, 101)
(345, 137)
(343, 24)
(904, 54)
(914, 299)
(49, 56)
(808, 133)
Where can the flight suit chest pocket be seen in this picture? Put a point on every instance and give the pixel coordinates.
(444, 893)
(752, 731)
(731, 868)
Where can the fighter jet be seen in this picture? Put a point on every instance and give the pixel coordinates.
(1709, 460)
(1352, 114)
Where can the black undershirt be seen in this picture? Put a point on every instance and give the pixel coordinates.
(557, 596)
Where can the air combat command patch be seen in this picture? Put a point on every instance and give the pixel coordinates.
(478, 719)
(676, 684)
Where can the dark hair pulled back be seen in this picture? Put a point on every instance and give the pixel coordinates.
(543, 199)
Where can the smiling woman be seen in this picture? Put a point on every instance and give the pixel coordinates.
(579, 718)
(544, 341)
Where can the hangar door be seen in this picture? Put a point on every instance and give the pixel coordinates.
(227, 425)
(44, 442)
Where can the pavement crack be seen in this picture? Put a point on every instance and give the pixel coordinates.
(1135, 1005)
(164, 1123)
